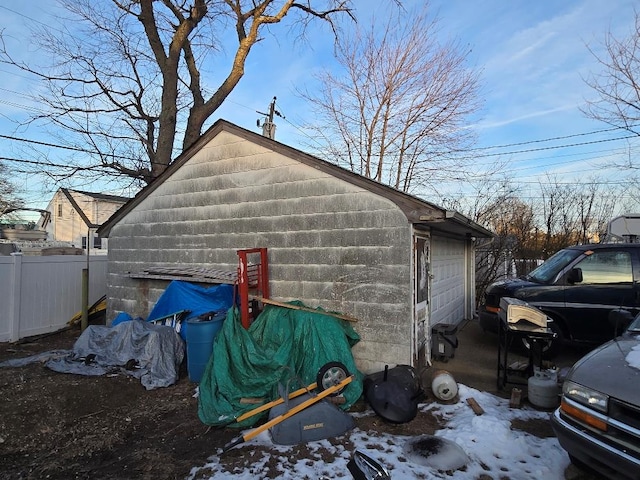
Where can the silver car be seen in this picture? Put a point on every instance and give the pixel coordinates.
(598, 421)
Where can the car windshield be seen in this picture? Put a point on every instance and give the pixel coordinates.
(554, 264)
(635, 325)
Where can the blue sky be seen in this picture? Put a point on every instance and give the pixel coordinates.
(533, 57)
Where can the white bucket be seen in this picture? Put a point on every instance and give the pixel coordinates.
(443, 385)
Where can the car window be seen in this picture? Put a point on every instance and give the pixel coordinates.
(606, 268)
(547, 272)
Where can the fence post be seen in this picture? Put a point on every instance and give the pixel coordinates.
(15, 300)
(85, 298)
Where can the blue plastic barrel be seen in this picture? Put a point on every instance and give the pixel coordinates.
(200, 336)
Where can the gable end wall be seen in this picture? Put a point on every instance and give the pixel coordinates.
(331, 244)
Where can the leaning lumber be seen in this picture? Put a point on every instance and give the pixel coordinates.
(268, 301)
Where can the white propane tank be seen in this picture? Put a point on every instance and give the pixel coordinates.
(543, 389)
(444, 386)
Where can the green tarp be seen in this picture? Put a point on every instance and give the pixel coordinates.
(282, 346)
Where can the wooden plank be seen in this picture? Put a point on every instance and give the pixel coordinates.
(194, 274)
(209, 280)
(268, 301)
(477, 409)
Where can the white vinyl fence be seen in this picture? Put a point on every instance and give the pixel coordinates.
(40, 294)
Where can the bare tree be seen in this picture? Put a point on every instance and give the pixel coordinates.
(617, 87)
(493, 200)
(529, 230)
(130, 77)
(8, 198)
(558, 215)
(397, 113)
(595, 203)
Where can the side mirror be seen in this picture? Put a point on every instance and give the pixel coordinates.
(574, 276)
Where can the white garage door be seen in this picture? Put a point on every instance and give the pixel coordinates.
(448, 283)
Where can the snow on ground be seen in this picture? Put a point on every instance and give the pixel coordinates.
(493, 448)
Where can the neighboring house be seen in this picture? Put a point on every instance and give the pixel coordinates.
(335, 239)
(75, 215)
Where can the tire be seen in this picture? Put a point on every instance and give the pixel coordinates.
(579, 464)
(331, 374)
(552, 347)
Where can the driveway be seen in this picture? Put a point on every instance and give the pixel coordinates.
(476, 360)
(475, 364)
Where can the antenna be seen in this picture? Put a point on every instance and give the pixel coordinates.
(268, 127)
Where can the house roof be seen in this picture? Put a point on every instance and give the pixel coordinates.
(97, 196)
(100, 196)
(77, 208)
(418, 212)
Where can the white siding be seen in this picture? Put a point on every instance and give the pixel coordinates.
(331, 243)
(41, 294)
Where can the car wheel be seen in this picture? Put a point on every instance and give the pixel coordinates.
(331, 374)
(551, 348)
(582, 466)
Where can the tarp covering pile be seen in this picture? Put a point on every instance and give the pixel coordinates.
(151, 353)
(282, 346)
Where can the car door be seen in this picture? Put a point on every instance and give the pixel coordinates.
(607, 283)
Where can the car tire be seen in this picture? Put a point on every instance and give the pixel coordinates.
(580, 465)
(331, 374)
(552, 347)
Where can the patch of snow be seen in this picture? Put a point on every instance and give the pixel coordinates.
(492, 447)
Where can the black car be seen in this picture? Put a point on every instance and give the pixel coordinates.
(598, 421)
(577, 287)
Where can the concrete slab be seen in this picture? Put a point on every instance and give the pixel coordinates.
(475, 362)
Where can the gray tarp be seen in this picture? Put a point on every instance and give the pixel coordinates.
(152, 353)
(38, 357)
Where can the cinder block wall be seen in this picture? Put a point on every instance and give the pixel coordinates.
(331, 244)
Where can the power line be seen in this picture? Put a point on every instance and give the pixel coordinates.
(557, 146)
(300, 130)
(17, 105)
(28, 18)
(527, 142)
(29, 97)
(314, 139)
(475, 149)
(52, 164)
(550, 139)
(46, 144)
(64, 147)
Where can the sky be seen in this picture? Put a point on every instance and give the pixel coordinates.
(532, 56)
(492, 448)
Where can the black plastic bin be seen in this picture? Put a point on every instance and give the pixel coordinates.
(444, 341)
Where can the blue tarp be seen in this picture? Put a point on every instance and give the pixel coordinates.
(195, 298)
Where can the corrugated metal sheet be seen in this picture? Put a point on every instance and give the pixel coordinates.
(190, 274)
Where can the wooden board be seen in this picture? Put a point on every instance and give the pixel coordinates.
(268, 301)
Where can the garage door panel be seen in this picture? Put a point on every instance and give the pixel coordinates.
(447, 287)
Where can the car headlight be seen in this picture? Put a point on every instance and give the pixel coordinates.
(586, 396)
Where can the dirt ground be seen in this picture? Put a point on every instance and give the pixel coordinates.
(64, 426)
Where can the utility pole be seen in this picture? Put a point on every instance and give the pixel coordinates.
(268, 127)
